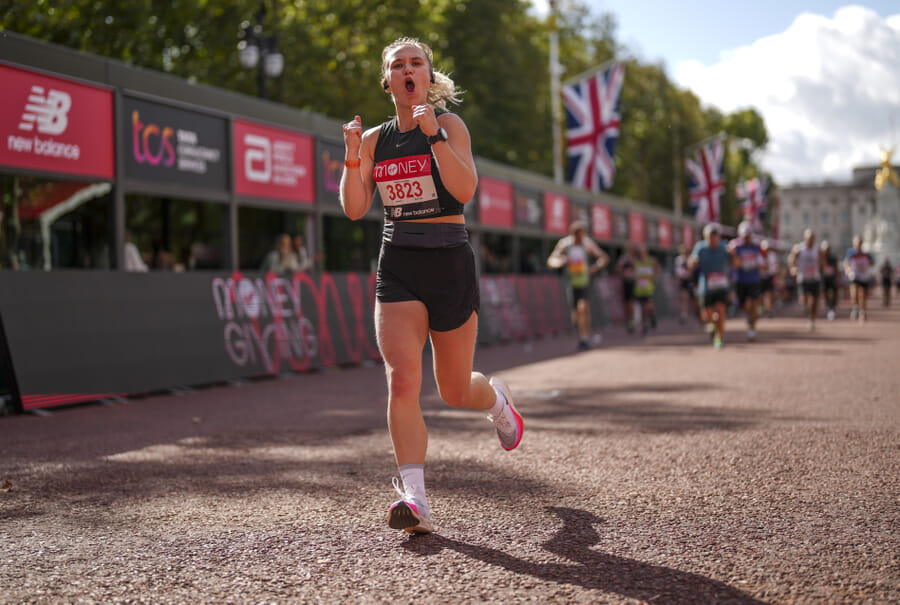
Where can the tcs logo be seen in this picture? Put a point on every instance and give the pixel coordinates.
(150, 144)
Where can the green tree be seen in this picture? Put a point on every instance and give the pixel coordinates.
(497, 51)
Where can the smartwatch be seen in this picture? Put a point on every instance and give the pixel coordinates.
(441, 135)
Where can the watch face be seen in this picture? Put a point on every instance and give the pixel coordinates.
(440, 135)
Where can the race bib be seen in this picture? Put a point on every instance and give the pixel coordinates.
(716, 281)
(407, 187)
(828, 271)
(810, 270)
(859, 264)
(749, 261)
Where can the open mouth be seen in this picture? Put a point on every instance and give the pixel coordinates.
(410, 85)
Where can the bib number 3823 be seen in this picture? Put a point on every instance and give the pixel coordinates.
(407, 187)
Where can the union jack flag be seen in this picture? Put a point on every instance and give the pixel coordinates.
(706, 180)
(592, 127)
(753, 192)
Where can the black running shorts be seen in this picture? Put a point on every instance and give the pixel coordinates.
(577, 295)
(746, 292)
(715, 297)
(444, 279)
(810, 288)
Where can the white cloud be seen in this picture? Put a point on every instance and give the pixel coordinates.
(826, 87)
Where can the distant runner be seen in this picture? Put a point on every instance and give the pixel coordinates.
(747, 258)
(572, 252)
(805, 263)
(830, 276)
(712, 258)
(857, 265)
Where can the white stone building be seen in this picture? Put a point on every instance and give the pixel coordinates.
(834, 211)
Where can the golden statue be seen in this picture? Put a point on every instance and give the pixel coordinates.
(886, 174)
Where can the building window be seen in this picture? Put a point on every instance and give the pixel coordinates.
(787, 220)
(845, 217)
(806, 219)
(824, 218)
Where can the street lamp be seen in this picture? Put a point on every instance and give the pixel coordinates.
(256, 45)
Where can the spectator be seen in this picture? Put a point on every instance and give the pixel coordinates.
(281, 259)
(131, 259)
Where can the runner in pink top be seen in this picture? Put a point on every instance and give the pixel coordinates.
(857, 265)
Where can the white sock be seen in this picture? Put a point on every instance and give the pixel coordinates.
(499, 403)
(413, 476)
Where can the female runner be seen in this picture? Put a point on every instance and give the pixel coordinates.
(426, 285)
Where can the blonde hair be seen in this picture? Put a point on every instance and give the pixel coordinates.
(443, 89)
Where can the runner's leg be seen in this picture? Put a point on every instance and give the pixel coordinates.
(401, 329)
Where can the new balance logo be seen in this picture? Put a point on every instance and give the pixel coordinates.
(50, 112)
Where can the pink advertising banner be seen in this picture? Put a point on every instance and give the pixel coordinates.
(48, 123)
(273, 163)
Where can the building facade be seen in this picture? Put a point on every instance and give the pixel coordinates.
(834, 211)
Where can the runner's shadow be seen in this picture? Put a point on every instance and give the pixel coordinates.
(592, 569)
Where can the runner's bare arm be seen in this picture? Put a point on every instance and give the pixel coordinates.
(453, 156)
(357, 183)
(557, 259)
(597, 251)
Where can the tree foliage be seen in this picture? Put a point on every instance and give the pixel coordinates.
(497, 51)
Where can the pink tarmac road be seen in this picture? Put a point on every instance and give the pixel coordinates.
(653, 470)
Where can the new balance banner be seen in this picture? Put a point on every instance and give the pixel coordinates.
(173, 145)
(273, 163)
(52, 124)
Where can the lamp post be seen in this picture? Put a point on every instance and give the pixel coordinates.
(258, 48)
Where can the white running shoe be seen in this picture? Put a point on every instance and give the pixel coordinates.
(811, 326)
(509, 423)
(831, 315)
(409, 513)
(751, 334)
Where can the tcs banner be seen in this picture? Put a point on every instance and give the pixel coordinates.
(51, 124)
(273, 163)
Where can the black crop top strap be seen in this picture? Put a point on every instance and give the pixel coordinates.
(407, 176)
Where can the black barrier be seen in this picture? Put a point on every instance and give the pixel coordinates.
(70, 336)
(83, 336)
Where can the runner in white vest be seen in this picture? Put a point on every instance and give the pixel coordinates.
(805, 263)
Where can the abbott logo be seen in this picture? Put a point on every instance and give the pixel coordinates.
(50, 112)
(258, 158)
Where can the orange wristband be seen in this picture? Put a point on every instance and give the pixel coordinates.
(351, 163)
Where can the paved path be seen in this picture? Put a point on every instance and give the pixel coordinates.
(654, 470)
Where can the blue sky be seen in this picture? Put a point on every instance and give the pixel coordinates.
(824, 75)
(703, 29)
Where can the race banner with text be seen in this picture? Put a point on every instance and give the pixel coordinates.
(273, 163)
(173, 145)
(55, 125)
(495, 202)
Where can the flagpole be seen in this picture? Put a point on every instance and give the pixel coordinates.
(555, 96)
(676, 197)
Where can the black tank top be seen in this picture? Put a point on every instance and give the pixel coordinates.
(407, 176)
